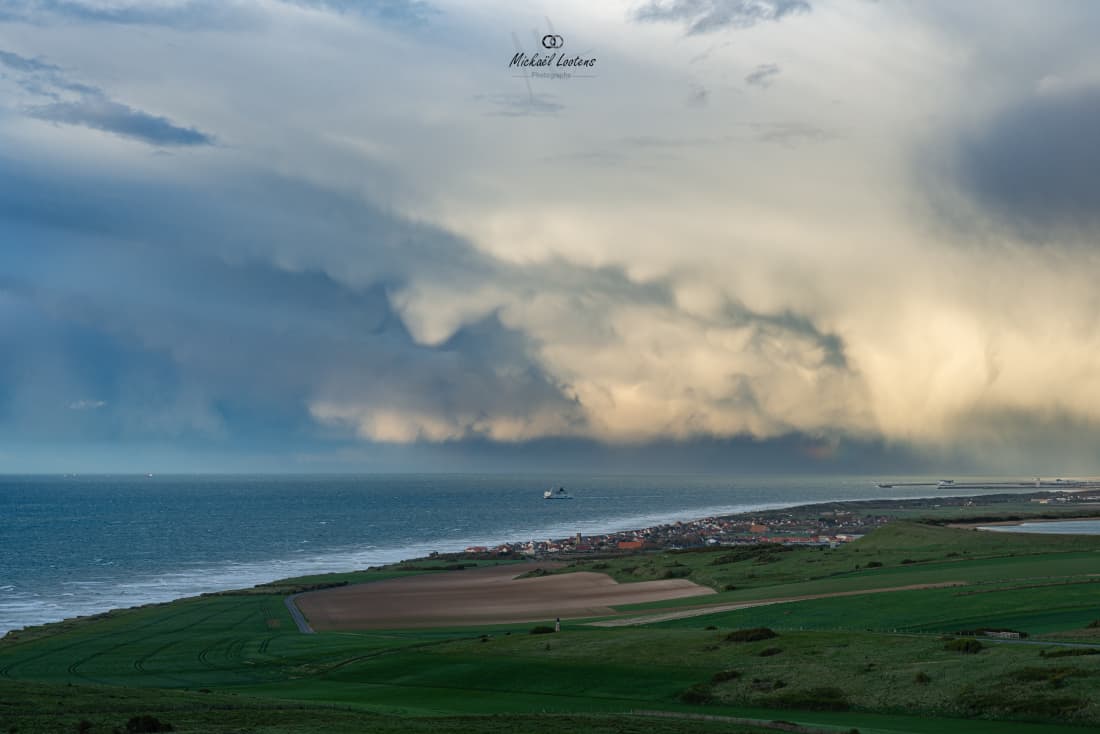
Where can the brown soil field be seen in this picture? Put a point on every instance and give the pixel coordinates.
(489, 595)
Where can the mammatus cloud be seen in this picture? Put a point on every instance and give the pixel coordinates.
(422, 259)
(402, 332)
(708, 16)
(762, 76)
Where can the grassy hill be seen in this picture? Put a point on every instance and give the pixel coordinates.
(876, 661)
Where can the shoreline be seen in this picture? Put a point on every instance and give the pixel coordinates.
(765, 511)
(1026, 521)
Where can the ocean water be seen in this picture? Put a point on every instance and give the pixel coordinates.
(80, 545)
(1060, 527)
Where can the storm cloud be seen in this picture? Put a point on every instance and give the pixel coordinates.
(327, 236)
(1036, 164)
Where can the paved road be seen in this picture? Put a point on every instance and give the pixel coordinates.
(296, 613)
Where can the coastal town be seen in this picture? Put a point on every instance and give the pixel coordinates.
(829, 524)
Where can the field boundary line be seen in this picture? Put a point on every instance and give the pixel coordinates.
(761, 723)
(734, 606)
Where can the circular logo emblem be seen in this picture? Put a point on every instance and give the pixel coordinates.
(552, 41)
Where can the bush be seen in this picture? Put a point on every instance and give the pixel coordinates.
(535, 573)
(767, 652)
(146, 724)
(1069, 652)
(753, 634)
(922, 678)
(542, 629)
(1093, 624)
(83, 726)
(681, 572)
(1001, 703)
(825, 698)
(965, 646)
(760, 553)
(1041, 674)
(710, 628)
(873, 564)
(725, 675)
(698, 694)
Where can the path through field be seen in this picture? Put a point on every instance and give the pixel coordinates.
(702, 611)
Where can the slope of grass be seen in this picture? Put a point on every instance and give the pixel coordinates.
(898, 554)
(27, 708)
(245, 650)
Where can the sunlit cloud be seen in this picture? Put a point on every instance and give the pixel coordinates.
(370, 232)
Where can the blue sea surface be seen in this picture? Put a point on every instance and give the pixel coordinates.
(80, 545)
(1058, 527)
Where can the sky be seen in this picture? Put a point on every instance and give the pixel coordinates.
(748, 236)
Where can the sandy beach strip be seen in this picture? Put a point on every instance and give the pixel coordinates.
(491, 595)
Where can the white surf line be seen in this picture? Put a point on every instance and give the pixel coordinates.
(718, 608)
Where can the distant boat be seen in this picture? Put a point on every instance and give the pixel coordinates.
(946, 482)
(559, 494)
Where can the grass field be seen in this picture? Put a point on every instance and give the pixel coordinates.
(236, 662)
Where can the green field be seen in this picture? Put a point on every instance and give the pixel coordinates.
(235, 662)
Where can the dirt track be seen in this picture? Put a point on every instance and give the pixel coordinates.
(480, 596)
(701, 611)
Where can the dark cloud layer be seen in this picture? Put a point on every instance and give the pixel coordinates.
(708, 16)
(1036, 164)
(227, 343)
(190, 331)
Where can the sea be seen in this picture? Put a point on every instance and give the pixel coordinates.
(80, 545)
